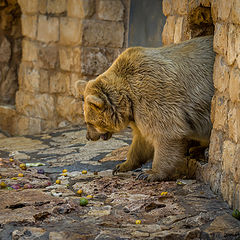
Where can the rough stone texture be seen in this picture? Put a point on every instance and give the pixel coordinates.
(222, 171)
(189, 210)
(220, 39)
(10, 50)
(178, 33)
(28, 7)
(26, 125)
(30, 51)
(70, 59)
(48, 29)
(102, 33)
(234, 85)
(48, 56)
(225, 113)
(168, 30)
(5, 50)
(73, 112)
(81, 8)
(220, 74)
(29, 78)
(96, 60)
(35, 105)
(29, 26)
(167, 7)
(59, 82)
(42, 6)
(7, 118)
(63, 41)
(70, 31)
(56, 6)
(111, 10)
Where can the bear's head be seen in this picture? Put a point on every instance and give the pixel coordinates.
(107, 108)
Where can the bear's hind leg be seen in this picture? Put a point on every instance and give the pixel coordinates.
(168, 155)
(140, 152)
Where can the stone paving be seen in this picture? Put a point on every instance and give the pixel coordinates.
(43, 201)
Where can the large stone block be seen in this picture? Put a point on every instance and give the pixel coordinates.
(220, 38)
(48, 56)
(111, 10)
(178, 33)
(234, 85)
(215, 147)
(7, 118)
(56, 6)
(70, 109)
(228, 156)
(28, 7)
(102, 33)
(70, 31)
(237, 41)
(70, 59)
(214, 10)
(29, 78)
(81, 8)
(167, 7)
(94, 61)
(48, 125)
(224, 8)
(29, 51)
(234, 123)
(35, 105)
(180, 7)
(221, 74)
(231, 52)
(220, 111)
(42, 6)
(44, 81)
(29, 26)
(236, 202)
(235, 14)
(59, 82)
(27, 125)
(48, 29)
(169, 30)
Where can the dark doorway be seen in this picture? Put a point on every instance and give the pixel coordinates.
(146, 23)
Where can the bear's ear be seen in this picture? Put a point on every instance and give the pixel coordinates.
(95, 101)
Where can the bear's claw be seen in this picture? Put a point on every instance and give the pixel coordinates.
(142, 176)
(116, 170)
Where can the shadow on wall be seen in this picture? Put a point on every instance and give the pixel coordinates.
(200, 22)
(10, 50)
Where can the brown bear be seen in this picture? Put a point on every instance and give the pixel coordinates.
(164, 94)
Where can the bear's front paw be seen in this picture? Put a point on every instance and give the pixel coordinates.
(120, 168)
(124, 167)
(116, 169)
(150, 176)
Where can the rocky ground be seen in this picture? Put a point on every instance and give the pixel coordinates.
(43, 200)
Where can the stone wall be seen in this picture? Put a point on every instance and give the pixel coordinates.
(187, 19)
(224, 161)
(64, 41)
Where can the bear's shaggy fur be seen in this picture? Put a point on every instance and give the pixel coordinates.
(164, 94)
